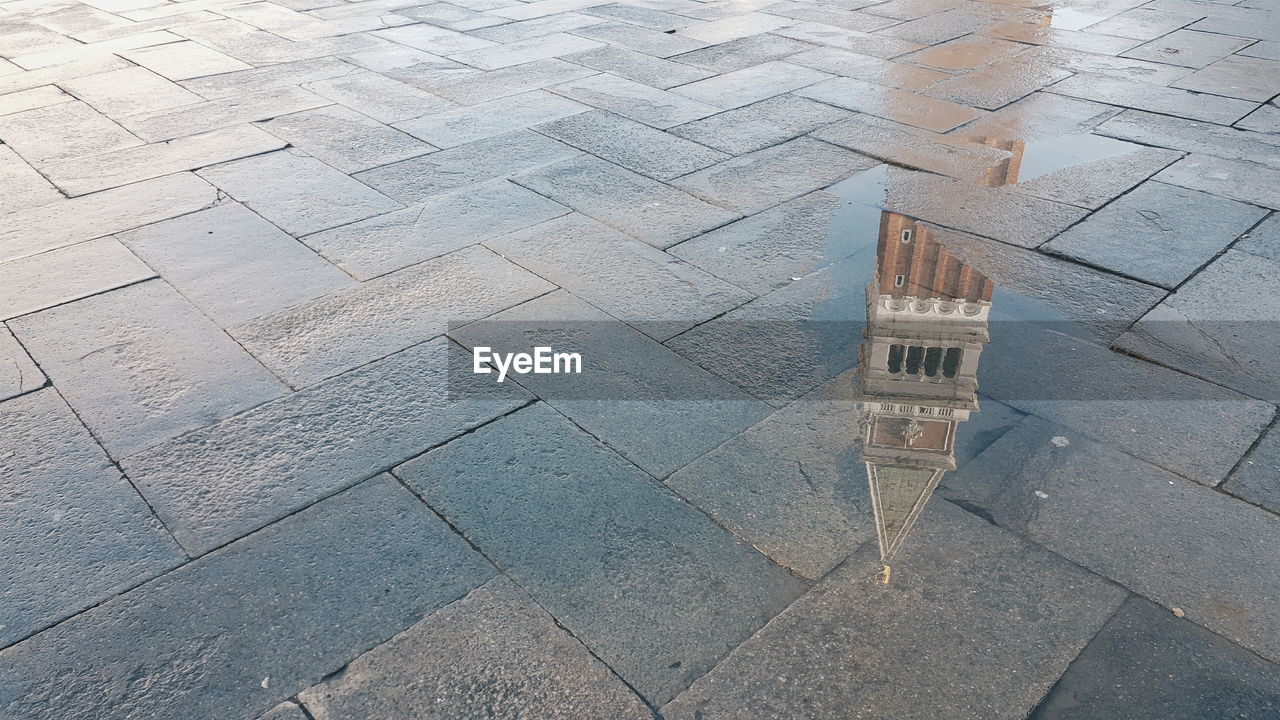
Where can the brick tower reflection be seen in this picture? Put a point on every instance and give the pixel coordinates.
(917, 365)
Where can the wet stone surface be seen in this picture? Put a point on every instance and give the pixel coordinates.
(927, 359)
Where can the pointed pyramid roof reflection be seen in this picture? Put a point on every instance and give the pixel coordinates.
(898, 496)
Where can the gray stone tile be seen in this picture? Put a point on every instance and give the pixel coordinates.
(1238, 77)
(1264, 240)
(85, 51)
(512, 31)
(220, 483)
(1143, 23)
(316, 198)
(78, 176)
(523, 51)
(761, 124)
(749, 85)
(649, 42)
(496, 632)
(1157, 233)
(141, 365)
(315, 340)
(18, 373)
(993, 86)
(648, 17)
(1153, 98)
(734, 27)
(52, 278)
(651, 106)
(1220, 325)
(1265, 119)
(232, 264)
(380, 97)
(129, 91)
(243, 82)
(939, 27)
(632, 65)
(214, 114)
(913, 147)
(414, 180)
(834, 15)
(769, 249)
(1092, 184)
(36, 97)
(65, 222)
(344, 138)
(866, 67)
(1243, 181)
(75, 531)
(1188, 48)
(1125, 672)
(890, 103)
(285, 711)
(450, 16)
(1175, 542)
(472, 90)
(1118, 67)
(852, 643)
(1040, 116)
(1180, 134)
(644, 209)
(184, 60)
(25, 188)
(620, 561)
(793, 485)
(432, 39)
(1255, 478)
(311, 593)
(966, 53)
(635, 146)
(14, 82)
(64, 130)
(633, 282)
(743, 53)
(755, 181)
(497, 117)
(880, 46)
(439, 225)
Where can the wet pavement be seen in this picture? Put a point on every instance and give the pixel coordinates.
(928, 359)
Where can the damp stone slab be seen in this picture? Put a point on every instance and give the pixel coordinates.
(1173, 541)
(74, 529)
(497, 632)
(657, 591)
(760, 125)
(632, 145)
(1013, 609)
(311, 593)
(1157, 233)
(141, 364)
(1255, 478)
(225, 481)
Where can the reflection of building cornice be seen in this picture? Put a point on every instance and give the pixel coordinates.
(887, 308)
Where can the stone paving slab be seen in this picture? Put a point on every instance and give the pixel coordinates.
(1175, 542)
(1243, 181)
(633, 145)
(145, 91)
(636, 283)
(25, 187)
(889, 103)
(1153, 98)
(345, 139)
(18, 373)
(760, 125)
(1219, 325)
(219, 483)
(64, 130)
(497, 117)
(1094, 184)
(380, 97)
(285, 711)
(563, 515)
(1145, 664)
(232, 264)
(1255, 479)
(142, 365)
(1263, 240)
(59, 276)
(95, 537)
(1194, 137)
(660, 108)
(854, 646)
(531, 666)
(310, 594)
(637, 66)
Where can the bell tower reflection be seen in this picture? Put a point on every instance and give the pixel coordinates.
(917, 368)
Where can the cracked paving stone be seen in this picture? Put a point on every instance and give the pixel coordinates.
(636, 283)
(59, 276)
(645, 209)
(760, 125)
(140, 365)
(1158, 233)
(311, 593)
(316, 198)
(651, 585)
(74, 529)
(1011, 608)
(344, 139)
(232, 264)
(632, 145)
(440, 224)
(1173, 541)
(1220, 325)
(1126, 671)
(676, 411)
(18, 372)
(532, 667)
(321, 338)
